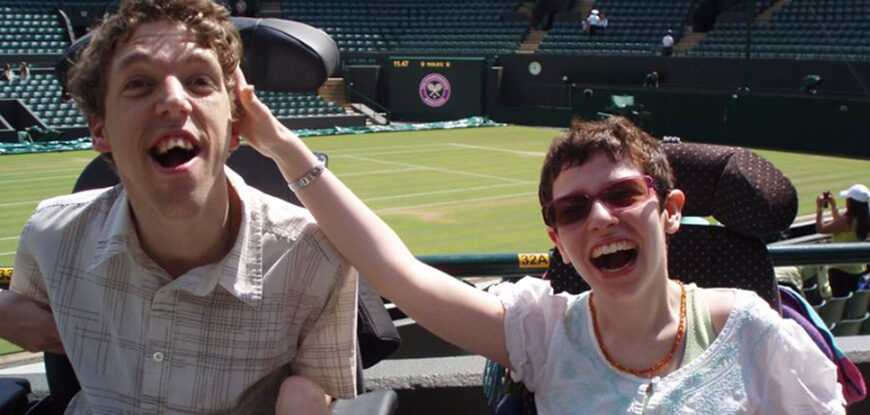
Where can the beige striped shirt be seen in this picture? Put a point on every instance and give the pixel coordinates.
(218, 339)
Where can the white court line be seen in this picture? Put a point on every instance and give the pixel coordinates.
(36, 179)
(463, 173)
(453, 202)
(388, 148)
(503, 150)
(442, 192)
(366, 173)
(5, 177)
(7, 253)
(30, 369)
(9, 238)
(26, 202)
(442, 147)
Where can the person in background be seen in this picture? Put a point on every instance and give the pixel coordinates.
(851, 226)
(668, 43)
(24, 72)
(593, 22)
(651, 80)
(7, 73)
(602, 22)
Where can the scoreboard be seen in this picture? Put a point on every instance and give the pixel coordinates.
(435, 88)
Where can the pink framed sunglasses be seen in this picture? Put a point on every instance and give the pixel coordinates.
(617, 195)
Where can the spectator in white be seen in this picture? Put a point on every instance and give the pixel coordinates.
(593, 21)
(602, 21)
(668, 43)
(24, 72)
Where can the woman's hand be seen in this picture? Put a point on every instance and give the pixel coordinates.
(266, 134)
(820, 200)
(256, 124)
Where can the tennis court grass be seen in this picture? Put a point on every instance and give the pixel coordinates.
(444, 191)
(6, 347)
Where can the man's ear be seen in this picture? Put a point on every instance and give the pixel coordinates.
(235, 140)
(674, 210)
(97, 125)
(555, 238)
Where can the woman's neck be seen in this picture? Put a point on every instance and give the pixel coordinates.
(643, 313)
(640, 333)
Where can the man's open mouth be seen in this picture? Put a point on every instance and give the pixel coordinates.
(614, 256)
(173, 152)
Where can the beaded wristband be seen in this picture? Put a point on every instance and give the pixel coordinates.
(309, 176)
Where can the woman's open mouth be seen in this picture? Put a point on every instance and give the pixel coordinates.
(615, 256)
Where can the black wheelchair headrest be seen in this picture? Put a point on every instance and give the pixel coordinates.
(739, 188)
(279, 55)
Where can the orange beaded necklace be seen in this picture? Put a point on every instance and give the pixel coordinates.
(661, 363)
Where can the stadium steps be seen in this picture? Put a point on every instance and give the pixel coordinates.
(372, 116)
(532, 41)
(270, 9)
(688, 42)
(768, 13)
(334, 90)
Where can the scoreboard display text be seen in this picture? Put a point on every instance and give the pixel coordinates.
(435, 88)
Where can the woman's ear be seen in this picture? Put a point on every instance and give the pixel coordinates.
(555, 238)
(674, 210)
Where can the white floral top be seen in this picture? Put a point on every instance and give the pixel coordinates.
(758, 364)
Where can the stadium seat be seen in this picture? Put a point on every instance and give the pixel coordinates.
(819, 32)
(831, 310)
(414, 26)
(857, 305)
(812, 295)
(850, 327)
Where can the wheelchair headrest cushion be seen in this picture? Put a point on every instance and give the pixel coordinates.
(279, 55)
(742, 190)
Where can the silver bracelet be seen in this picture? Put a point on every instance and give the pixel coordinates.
(309, 176)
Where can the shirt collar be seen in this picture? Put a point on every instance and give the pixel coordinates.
(242, 268)
(240, 272)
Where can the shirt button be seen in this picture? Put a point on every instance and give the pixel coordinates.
(157, 356)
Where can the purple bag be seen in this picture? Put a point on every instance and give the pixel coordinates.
(795, 307)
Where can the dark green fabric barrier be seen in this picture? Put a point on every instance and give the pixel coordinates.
(28, 144)
(83, 143)
(443, 125)
(805, 123)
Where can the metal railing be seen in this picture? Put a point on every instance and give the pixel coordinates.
(518, 264)
(367, 100)
(512, 264)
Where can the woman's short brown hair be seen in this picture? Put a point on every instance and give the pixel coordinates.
(208, 20)
(615, 137)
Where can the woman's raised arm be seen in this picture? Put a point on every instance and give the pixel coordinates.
(460, 314)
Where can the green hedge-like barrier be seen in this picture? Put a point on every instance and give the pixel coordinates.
(40, 141)
(83, 143)
(805, 123)
(443, 125)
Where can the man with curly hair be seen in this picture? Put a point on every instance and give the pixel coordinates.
(182, 289)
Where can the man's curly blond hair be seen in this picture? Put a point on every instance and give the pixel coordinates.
(206, 19)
